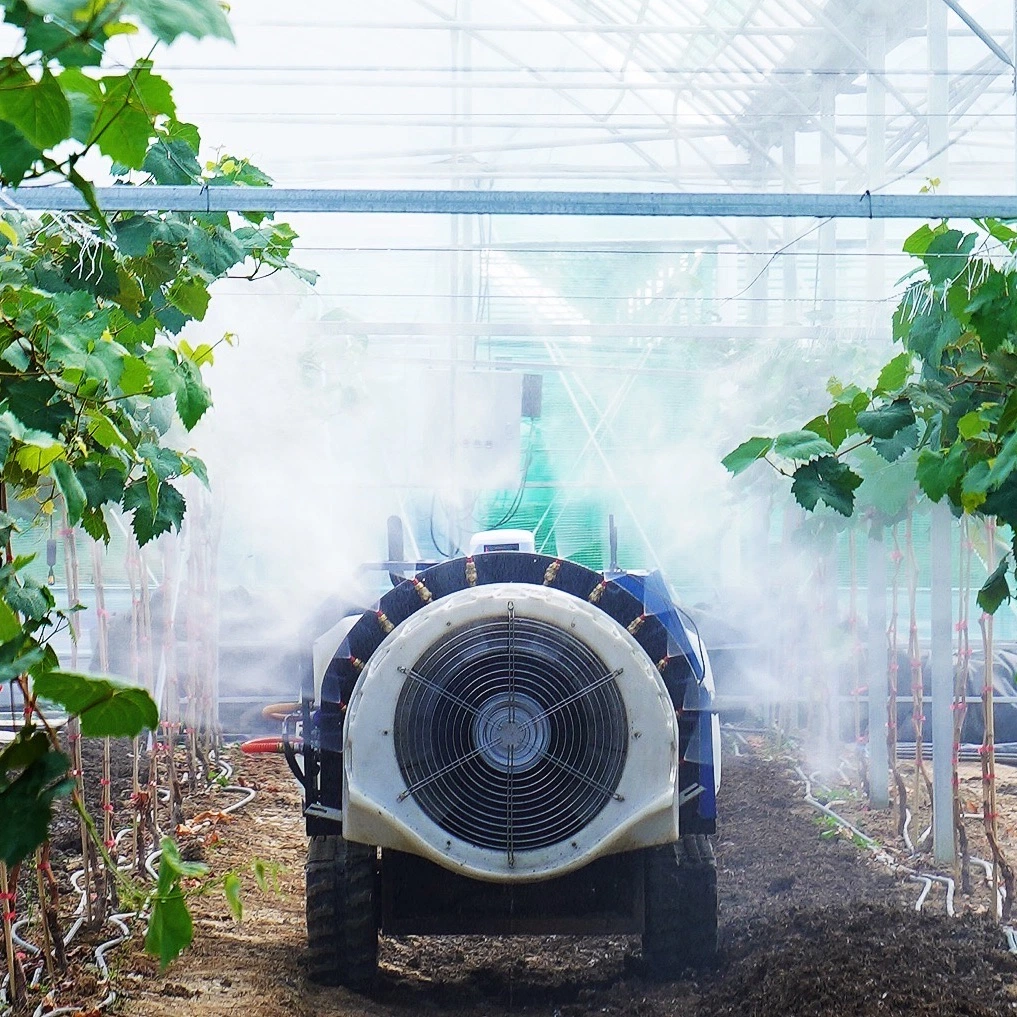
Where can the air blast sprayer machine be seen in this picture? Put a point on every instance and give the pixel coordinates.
(509, 743)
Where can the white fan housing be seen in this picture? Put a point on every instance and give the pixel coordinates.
(510, 732)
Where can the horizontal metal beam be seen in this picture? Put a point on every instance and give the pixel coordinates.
(588, 28)
(579, 203)
(544, 329)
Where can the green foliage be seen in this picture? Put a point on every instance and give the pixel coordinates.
(47, 101)
(996, 589)
(170, 929)
(32, 776)
(829, 827)
(107, 709)
(802, 445)
(231, 887)
(97, 390)
(90, 308)
(747, 453)
(266, 874)
(886, 420)
(826, 479)
(943, 411)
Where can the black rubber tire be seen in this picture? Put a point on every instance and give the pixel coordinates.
(342, 928)
(680, 929)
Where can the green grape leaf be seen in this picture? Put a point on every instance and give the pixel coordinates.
(996, 588)
(938, 472)
(168, 515)
(17, 154)
(1003, 464)
(10, 624)
(746, 454)
(170, 928)
(26, 802)
(891, 449)
(828, 480)
(37, 403)
(38, 109)
(232, 888)
(167, 19)
(947, 254)
(70, 487)
(801, 445)
(192, 395)
(106, 708)
(893, 376)
(887, 420)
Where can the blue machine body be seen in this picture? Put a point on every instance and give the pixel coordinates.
(640, 602)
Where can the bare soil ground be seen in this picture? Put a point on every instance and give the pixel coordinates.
(810, 925)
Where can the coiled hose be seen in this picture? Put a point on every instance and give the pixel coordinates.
(120, 921)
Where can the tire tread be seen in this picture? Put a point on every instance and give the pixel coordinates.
(342, 932)
(681, 906)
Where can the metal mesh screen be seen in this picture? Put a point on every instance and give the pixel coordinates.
(511, 734)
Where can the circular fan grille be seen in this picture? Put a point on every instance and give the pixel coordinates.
(510, 734)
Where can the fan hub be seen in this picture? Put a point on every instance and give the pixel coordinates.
(511, 732)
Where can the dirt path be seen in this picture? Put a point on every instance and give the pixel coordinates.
(809, 926)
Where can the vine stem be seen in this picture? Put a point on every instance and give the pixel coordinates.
(892, 674)
(145, 674)
(47, 943)
(74, 726)
(17, 984)
(1000, 866)
(102, 627)
(51, 906)
(77, 799)
(856, 656)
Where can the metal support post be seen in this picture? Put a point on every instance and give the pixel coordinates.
(875, 146)
(828, 183)
(942, 684)
(939, 90)
(789, 261)
(758, 264)
(879, 768)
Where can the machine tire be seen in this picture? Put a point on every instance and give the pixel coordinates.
(342, 928)
(680, 928)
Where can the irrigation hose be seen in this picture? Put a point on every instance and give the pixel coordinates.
(925, 890)
(878, 852)
(1000, 893)
(119, 920)
(907, 837)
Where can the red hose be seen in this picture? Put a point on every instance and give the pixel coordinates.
(270, 744)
